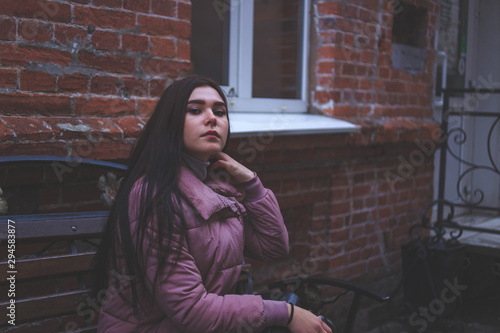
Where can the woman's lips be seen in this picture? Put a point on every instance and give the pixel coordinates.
(212, 133)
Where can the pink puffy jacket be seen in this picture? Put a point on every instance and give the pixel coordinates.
(196, 296)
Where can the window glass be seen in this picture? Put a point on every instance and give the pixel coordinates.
(276, 49)
(210, 40)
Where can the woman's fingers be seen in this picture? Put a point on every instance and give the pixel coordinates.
(326, 328)
(238, 172)
(305, 321)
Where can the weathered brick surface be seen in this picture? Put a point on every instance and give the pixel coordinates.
(354, 34)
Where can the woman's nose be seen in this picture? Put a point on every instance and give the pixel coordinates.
(211, 118)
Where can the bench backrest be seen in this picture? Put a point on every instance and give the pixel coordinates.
(47, 272)
(46, 269)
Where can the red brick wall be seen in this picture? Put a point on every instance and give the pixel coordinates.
(66, 88)
(86, 63)
(353, 69)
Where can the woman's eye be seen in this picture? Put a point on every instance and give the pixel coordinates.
(194, 110)
(220, 113)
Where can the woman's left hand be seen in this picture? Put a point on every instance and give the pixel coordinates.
(238, 172)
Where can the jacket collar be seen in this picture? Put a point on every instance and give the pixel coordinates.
(209, 197)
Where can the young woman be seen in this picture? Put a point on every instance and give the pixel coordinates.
(183, 219)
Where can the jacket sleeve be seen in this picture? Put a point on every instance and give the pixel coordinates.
(180, 293)
(266, 237)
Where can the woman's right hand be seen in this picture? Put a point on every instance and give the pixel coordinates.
(304, 321)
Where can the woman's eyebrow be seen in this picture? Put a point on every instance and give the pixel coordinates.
(202, 102)
(196, 101)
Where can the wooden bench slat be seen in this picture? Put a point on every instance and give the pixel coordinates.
(48, 266)
(32, 229)
(43, 307)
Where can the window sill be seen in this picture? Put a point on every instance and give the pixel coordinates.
(250, 124)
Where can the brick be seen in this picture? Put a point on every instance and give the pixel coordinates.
(6, 134)
(37, 9)
(110, 149)
(367, 56)
(34, 31)
(77, 83)
(326, 67)
(131, 127)
(105, 40)
(169, 67)
(166, 8)
(8, 78)
(137, 5)
(348, 69)
(349, 39)
(359, 97)
(7, 29)
(29, 128)
(384, 72)
(351, 11)
(108, 63)
(162, 47)
(38, 81)
(330, 8)
(157, 87)
(15, 55)
(136, 87)
(364, 70)
(328, 23)
(344, 111)
(107, 85)
(326, 52)
(323, 97)
(345, 82)
(67, 35)
(108, 3)
(339, 261)
(159, 26)
(104, 18)
(331, 37)
(135, 43)
(28, 104)
(183, 50)
(365, 84)
(394, 86)
(184, 11)
(31, 148)
(357, 243)
(104, 106)
(91, 130)
(355, 270)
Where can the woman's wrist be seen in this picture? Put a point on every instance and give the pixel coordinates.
(290, 313)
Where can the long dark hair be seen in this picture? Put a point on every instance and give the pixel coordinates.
(156, 160)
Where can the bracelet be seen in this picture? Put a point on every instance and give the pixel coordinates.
(291, 315)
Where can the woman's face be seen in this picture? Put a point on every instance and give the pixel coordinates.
(206, 124)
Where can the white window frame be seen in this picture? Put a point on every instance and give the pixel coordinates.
(239, 90)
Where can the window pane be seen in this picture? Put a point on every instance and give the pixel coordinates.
(276, 49)
(210, 40)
